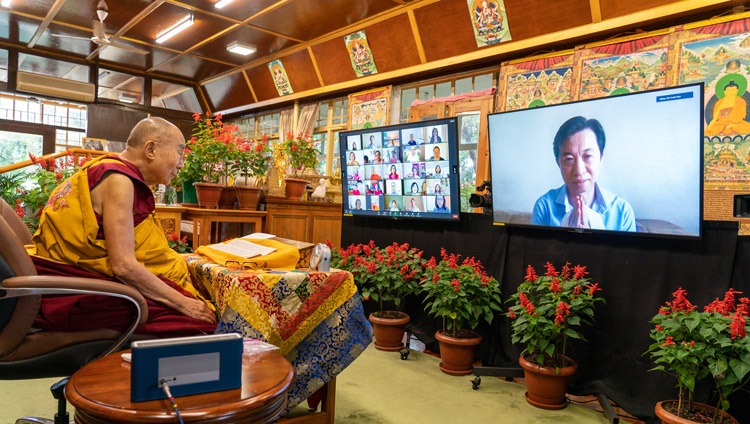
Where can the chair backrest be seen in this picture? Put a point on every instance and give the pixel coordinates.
(17, 315)
(15, 223)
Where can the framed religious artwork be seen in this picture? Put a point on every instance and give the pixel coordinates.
(369, 109)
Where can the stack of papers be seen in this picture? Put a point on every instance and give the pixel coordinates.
(243, 248)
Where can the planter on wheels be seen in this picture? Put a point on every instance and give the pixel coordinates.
(457, 353)
(546, 386)
(389, 330)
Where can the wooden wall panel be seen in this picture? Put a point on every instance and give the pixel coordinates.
(614, 8)
(531, 18)
(299, 68)
(229, 92)
(445, 29)
(262, 82)
(333, 61)
(390, 55)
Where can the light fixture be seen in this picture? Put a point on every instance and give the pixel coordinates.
(240, 48)
(127, 97)
(176, 29)
(6, 3)
(221, 3)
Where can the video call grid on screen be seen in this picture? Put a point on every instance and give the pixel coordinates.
(653, 157)
(404, 170)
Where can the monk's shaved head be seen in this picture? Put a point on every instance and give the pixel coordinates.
(157, 129)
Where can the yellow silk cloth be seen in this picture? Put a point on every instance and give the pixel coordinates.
(284, 257)
(283, 306)
(68, 231)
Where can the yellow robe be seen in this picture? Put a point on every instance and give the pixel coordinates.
(68, 231)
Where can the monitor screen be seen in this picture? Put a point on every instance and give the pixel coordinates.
(631, 163)
(405, 171)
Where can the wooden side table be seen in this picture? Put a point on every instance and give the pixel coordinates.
(100, 393)
(205, 233)
(170, 217)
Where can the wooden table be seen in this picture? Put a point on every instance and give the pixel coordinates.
(204, 230)
(170, 217)
(100, 393)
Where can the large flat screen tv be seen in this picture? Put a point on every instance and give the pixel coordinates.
(405, 171)
(631, 163)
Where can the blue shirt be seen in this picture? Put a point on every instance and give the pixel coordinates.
(617, 214)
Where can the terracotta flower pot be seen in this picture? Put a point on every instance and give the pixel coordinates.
(546, 386)
(457, 354)
(248, 197)
(208, 194)
(228, 197)
(294, 188)
(389, 331)
(662, 412)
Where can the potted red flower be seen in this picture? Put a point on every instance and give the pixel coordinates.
(547, 312)
(386, 275)
(692, 344)
(462, 294)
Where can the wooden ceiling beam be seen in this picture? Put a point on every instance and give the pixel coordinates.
(596, 11)
(45, 22)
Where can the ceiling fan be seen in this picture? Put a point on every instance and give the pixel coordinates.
(100, 38)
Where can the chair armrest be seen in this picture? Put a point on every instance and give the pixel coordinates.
(34, 285)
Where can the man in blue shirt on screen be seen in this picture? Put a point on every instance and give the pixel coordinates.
(581, 202)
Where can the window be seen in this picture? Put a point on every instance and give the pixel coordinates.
(443, 88)
(332, 118)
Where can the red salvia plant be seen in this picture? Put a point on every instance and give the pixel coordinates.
(691, 344)
(549, 310)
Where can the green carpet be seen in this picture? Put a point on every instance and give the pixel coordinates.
(379, 388)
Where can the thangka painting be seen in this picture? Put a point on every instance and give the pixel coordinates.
(540, 88)
(489, 21)
(722, 64)
(280, 78)
(621, 74)
(536, 82)
(369, 109)
(360, 54)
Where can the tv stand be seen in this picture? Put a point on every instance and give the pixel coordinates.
(510, 373)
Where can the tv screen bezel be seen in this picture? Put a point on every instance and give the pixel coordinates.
(450, 140)
(497, 190)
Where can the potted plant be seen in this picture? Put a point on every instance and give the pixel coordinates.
(300, 153)
(249, 164)
(546, 313)
(461, 294)
(692, 344)
(385, 275)
(204, 161)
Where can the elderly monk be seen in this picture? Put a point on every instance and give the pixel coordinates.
(100, 223)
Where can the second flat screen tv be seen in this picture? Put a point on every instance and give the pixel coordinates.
(647, 178)
(406, 171)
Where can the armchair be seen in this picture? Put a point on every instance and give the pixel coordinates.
(26, 352)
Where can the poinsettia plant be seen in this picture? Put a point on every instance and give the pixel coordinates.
(460, 292)
(300, 153)
(549, 310)
(692, 344)
(384, 274)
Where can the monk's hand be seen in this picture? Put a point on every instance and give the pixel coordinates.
(198, 309)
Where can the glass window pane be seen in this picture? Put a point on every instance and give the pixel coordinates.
(463, 86)
(15, 147)
(482, 82)
(322, 115)
(407, 98)
(467, 156)
(443, 89)
(426, 92)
